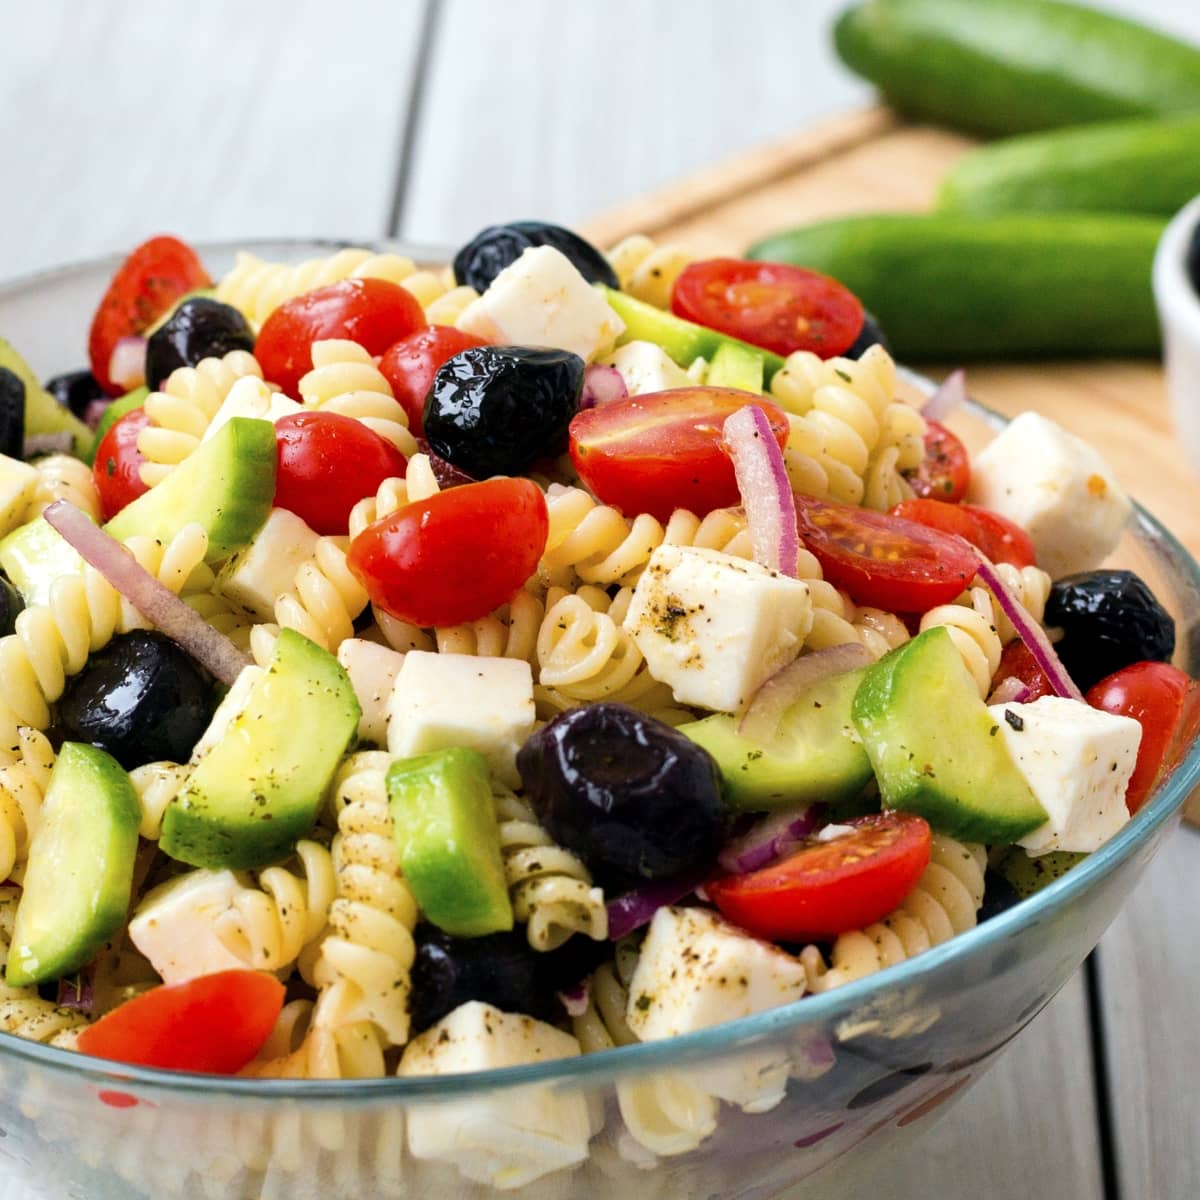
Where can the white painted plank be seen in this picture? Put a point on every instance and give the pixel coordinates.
(220, 119)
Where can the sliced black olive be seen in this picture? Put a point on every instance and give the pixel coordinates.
(998, 896)
(11, 604)
(199, 328)
(141, 698)
(497, 246)
(869, 335)
(80, 391)
(12, 414)
(636, 800)
(1109, 619)
(493, 410)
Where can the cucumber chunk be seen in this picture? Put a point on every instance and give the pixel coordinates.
(736, 366)
(44, 414)
(33, 556)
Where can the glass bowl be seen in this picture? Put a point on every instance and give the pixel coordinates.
(865, 1066)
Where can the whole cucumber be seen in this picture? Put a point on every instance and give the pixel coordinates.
(1009, 66)
(950, 287)
(1145, 165)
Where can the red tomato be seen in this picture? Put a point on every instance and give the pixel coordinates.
(1166, 703)
(882, 560)
(118, 462)
(327, 464)
(214, 1024)
(410, 365)
(773, 305)
(663, 451)
(1017, 662)
(371, 312)
(945, 472)
(827, 888)
(997, 537)
(456, 556)
(146, 284)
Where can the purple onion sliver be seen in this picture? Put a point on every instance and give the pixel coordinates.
(127, 365)
(770, 839)
(75, 992)
(47, 443)
(637, 908)
(1009, 691)
(95, 410)
(813, 1138)
(951, 393)
(575, 1000)
(765, 488)
(601, 385)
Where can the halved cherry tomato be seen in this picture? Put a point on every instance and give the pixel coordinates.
(1017, 662)
(882, 560)
(773, 305)
(146, 284)
(327, 464)
(372, 312)
(997, 537)
(214, 1024)
(455, 556)
(827, 888)
(116, 469)
(662, 451)
(410, 365)
(945, 471)
(1166, 703)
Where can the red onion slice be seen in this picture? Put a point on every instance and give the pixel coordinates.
(47, 443)
(127, 365)
(1009, 691)
(157, 603)
(782, 689)
(1031, 633)
(766, 492)
(770, 839)
(601, 385)
(76, 992)
(575, 1001)
(637, 908)
(951, 393)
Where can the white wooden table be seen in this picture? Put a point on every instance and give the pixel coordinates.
(428, 119)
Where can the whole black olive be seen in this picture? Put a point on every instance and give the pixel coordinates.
(79, 391)
(199, 328)
(1193, 259)
(12, 414)
(636, 800)
(11, 604)
(493, 410)
(998, 896)
(141, 698)
(497, 246)
(869, 335)
(1109, 619)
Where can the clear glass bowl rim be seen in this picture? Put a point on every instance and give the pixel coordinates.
(825, 1009)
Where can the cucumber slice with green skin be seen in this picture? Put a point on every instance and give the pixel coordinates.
(683, 341)
(33, 556)
(113, 413)
(449, 844)
(1029, 875)
(80, 871)
(934, 747)
(736, 366)
(263, 765)
(816, 755)
(44, 414)
(227, 485)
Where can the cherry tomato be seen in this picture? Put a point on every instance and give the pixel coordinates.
(410, 365)
(117, 467)
(372, 312)
(773, 305)
(1017, 662)
(945, 472)
(456, 556)
(327, 464)
(1165, 701)
(146, 284)
(662, 451)
(882, 560)
(827, 888)
(214, 1024)
(997, 537)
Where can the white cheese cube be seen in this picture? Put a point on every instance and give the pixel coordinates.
(250, 397)
(1077, 760)
(256, 576)
(714, 627)
(443, 700)
(646, 368)
(17, 483)
(542, 300)
(697, 970)
(372, 669)
(515, 1137)
(1057, 488)
(175, 925)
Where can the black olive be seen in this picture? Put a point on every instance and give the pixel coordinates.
(11, 604)
(1193, 259)
(998, 896)
(869, 335)
(12, 414)
(141, 698)
(80, 391)
(636, 800)
(493, 410)
(199, 328)
(1109, 619)
(497, 246)
(500, 969)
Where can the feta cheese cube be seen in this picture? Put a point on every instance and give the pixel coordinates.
(714, 627)
(697, 970)
(1078, 761)
(1057, 488)
(542, 300)
(18, 480)
(250, 397)
(442, 700)
(372, 669)
(646, 367)
(510, 1139)
(256, 576)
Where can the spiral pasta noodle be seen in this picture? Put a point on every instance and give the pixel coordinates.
(512, 631)
(972, 629)
(22, 788)
(63, 477)
(647, 270)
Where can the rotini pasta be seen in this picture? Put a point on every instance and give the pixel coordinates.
(512, 631)
(647, 270)
(62, 477)
(22, 789)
